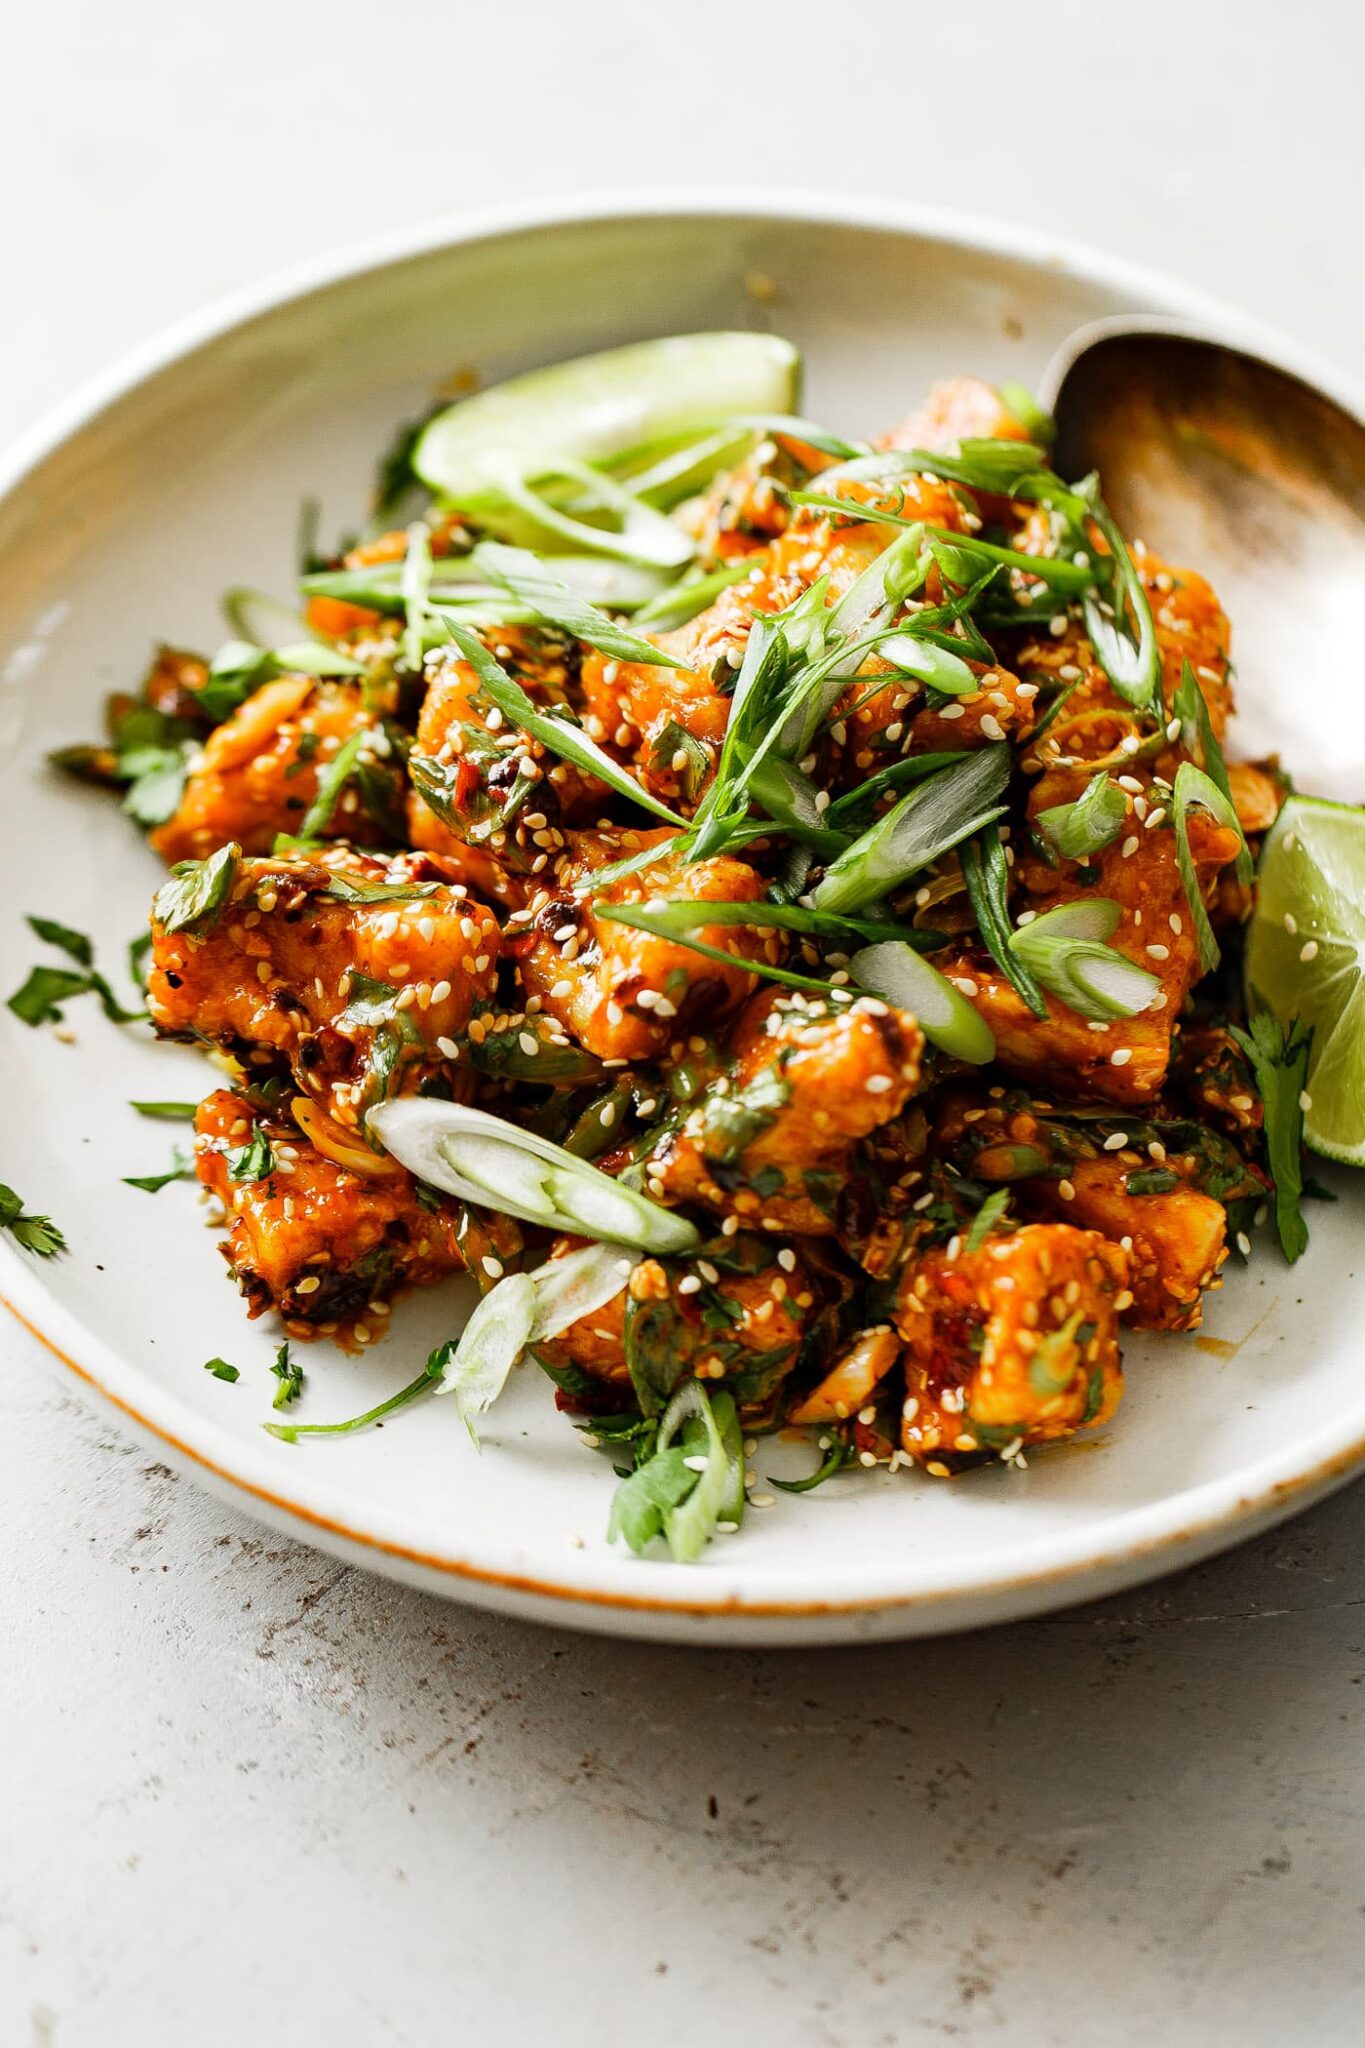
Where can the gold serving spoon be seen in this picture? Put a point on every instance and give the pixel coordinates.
(1222, 461)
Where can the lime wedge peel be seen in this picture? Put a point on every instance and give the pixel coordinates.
(1305, 958)
(600, 407)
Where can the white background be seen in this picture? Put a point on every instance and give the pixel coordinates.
(250, 1795)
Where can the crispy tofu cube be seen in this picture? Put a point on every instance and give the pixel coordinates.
(316, 1240)
(1014, 1343)
(351, 992)
(623, 993)
(731, 1314)
(257, 773)
(770, 1140)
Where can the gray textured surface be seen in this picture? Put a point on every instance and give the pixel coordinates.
(250, 1794)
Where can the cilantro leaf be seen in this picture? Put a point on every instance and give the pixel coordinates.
(1279, 1065)
(37, 1234)
(290, 1377)
(74, 943)
(255, 1161)
(181, 1168)
(40, 998)
(197, 890)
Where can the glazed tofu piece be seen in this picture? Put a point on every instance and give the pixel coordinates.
(257, 773)
(877, 728)
(325, 1239)
(1123, 1061)
(1014, 1343)
(622, 993)
(1164, 1202)
(1174, 1237)
(958, 409)
(769, 1140)
(1190, 625)
(736, 1313)
(671, 721)
(484, 792)
(358, 972)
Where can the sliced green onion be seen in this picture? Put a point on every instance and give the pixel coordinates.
(944, 809)
(490, 1344)
(570, 742)
(1088, 917)
(682, 601)
(1190, 706)
(986, 873)
(1020, 401)
(1192, 786)
(895, 971)
(678, 473)
(263, 620)
(1086, 826)
(1132, 666)
(416, 582)
(656, 921)
(488, 1161)
(929, 663)
(575, 1286)
(1064, 949)
(672, 920)
(643, 536)
(527, 578)
(527, 1308)
(961, 556)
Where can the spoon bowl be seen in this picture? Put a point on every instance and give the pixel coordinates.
(1215, 456)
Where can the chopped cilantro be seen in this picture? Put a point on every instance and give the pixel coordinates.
(986, 1218)
(74, 943)
(1279, 1063)
(255, 1160)
(290, 1377)
(180, 1168)
(197, 891)
(37, 1234)
(221, 1370)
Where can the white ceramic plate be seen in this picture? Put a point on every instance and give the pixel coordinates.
(184, 472)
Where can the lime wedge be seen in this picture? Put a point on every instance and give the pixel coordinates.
(599, 407)
(1306, 958)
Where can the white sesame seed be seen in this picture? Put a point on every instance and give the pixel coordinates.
(953, 711)
(1176, 922)
(491, 1266)
(786, 1259)
(1066, 1189)
(1116, 1141)
(1244, 1244)
(877, 1084)
(689, 1285)
(1159, 952)
(1305, 1101)
(1309, 950)
(992, 727)
(1130, 846)
(1121, 1057)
